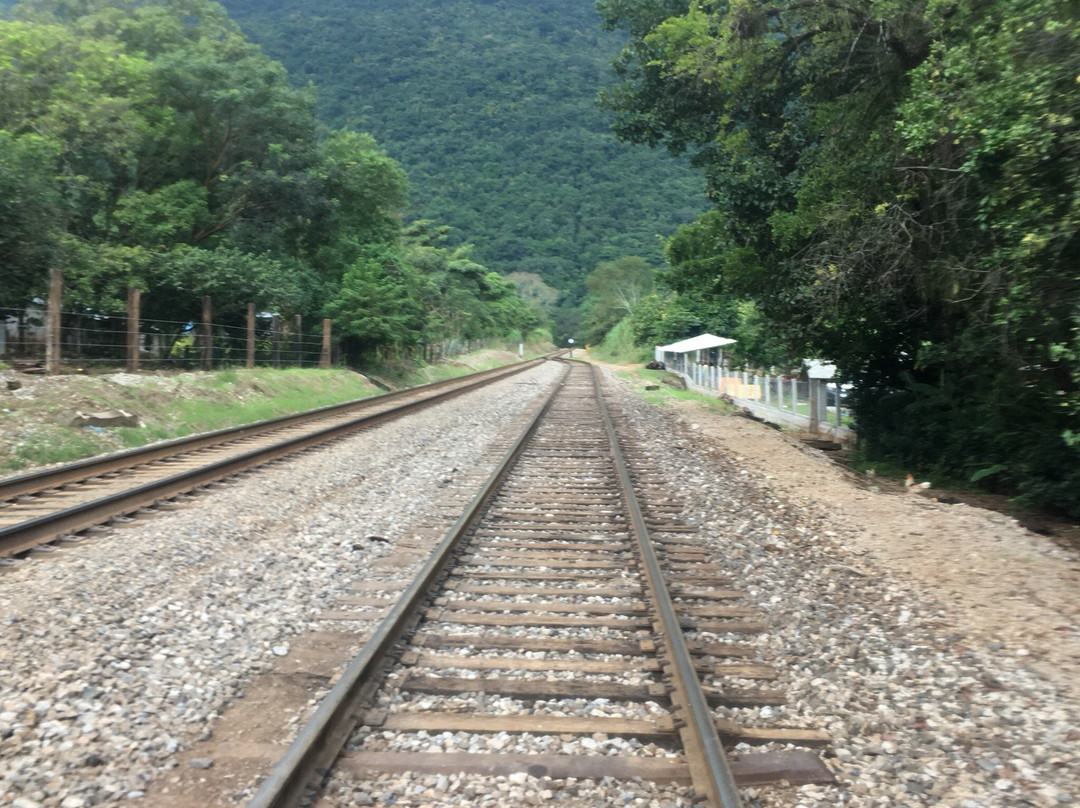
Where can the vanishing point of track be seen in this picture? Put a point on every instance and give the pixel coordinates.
(549, 588)
(56, 504)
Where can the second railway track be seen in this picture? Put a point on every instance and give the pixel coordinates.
(550, 635)
(58, 503)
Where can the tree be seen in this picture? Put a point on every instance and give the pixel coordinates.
(362, 192)
(532, 289)
(615, 290)
(74, 113)
(894, 186)
(377, 306)
(30, 204)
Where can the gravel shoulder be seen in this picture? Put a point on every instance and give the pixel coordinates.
(1008, 590)
(938, 644)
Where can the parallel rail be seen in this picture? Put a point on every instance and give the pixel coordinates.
(546, 524)
(35, 508)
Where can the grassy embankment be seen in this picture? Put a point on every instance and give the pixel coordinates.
(34, 420)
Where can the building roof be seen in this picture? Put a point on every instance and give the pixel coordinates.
(698, 343)
(819, 369)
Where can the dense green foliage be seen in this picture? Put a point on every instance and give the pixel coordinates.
(896, 188)
(491, 107)
(616, 288)
(151, 144)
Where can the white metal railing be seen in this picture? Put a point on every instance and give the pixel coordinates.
(777, 399)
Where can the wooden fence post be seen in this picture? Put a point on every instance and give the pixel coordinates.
(275, 337)
(249, 361)
(298, 333)
(324, 358)
(52, 321)
(134, 301)
(207, 335)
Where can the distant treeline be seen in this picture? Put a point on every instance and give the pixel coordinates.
(150, 144)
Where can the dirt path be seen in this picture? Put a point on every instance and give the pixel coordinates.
(1007, 590)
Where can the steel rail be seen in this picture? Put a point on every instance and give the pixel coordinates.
(34, 481)
(715, 780)
(25, 535)
(321, 739)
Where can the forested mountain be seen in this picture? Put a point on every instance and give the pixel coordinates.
(490, 106)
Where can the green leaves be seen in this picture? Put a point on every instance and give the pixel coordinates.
(377, 305)
(616, 288)
(896, 187)
(30, 205)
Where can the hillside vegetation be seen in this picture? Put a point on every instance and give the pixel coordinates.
(491, 109)
(152, 145)
(897, 189)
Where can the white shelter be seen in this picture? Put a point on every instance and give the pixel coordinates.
(676, 354)
(817, 369)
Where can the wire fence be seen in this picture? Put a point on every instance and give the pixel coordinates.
(92, 339)
(776, 398)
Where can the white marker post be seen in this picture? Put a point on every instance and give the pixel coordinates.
(570, 342)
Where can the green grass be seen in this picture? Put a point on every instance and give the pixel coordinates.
(179, 406)
(666, 394)
(56, 447)
(172, 406)
(273, 394)
(226, 377)
(618, 347)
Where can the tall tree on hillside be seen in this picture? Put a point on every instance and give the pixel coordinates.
(30, 213)
(615, 290)
(364, 193)
(74, 114)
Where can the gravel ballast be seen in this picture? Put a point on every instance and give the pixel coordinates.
(118, 652)
(919, 716)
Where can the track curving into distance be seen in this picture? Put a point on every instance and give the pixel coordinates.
(57, 503)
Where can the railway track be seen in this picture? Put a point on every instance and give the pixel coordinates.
(561, 629)
(43, 509)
